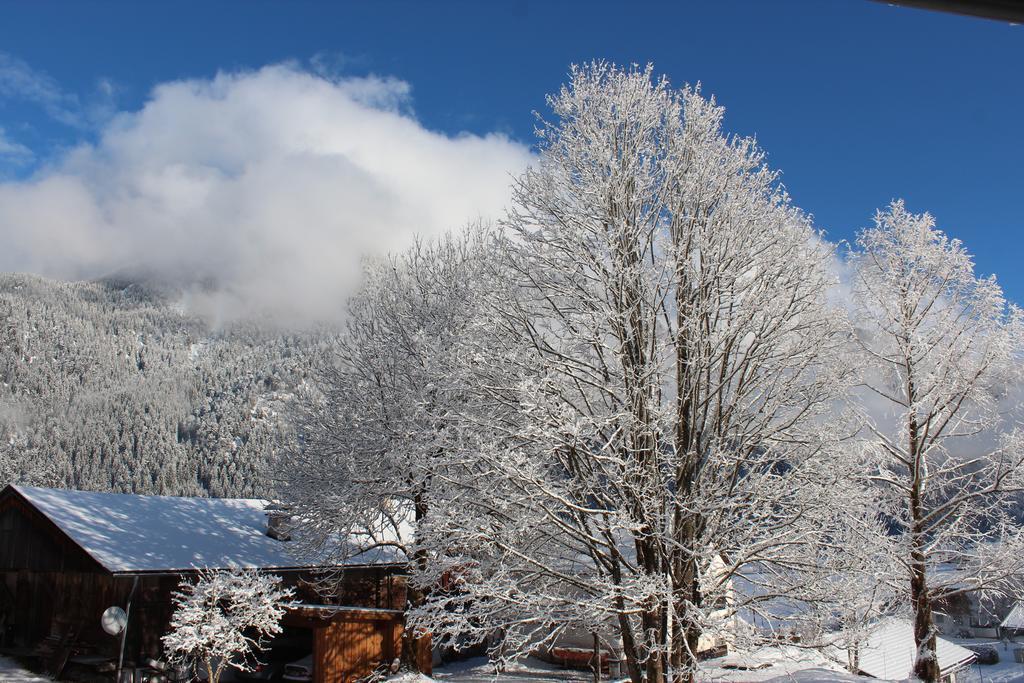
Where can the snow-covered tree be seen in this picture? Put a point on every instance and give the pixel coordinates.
(374, 442)
(861, 587)
(223, 619)
(941, 351)
(656, 387)
(373, 439)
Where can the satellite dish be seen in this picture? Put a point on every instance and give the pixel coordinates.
(114, 620)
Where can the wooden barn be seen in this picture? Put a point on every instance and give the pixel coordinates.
(66, 556)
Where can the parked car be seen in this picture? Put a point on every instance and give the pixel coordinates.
(986, 653)
(262, 671)
(269, 664)
(299, 671)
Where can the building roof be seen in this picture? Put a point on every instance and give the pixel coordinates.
(1015, 619)
(817, 676)
(888, 653)
(781, 663)
(128, 533)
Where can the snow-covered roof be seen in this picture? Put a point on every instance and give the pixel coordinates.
(774, 663)
(817, 676)
(129, 533)
(1015, 619)
(889, 650)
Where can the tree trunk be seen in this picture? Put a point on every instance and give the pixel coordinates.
(685, 631)
(926, 661)
(653, 637)
(684, 648)
(629, 651)
(412, 642)
(655, 672)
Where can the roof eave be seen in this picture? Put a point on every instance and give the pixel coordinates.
(298, 568)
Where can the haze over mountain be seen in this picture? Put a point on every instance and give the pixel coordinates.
(270, 184)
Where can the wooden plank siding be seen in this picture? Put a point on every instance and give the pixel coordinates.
(346, 650)
(48, 603)
(350, 644)
(29, 540)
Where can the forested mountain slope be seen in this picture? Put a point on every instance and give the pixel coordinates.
(110, 386)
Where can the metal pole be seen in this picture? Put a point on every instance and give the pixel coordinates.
(124, 631)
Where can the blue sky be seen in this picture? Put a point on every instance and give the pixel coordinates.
(857, 102)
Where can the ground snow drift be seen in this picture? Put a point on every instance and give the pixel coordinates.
(12, 672)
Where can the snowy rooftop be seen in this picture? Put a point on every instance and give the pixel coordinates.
(129, 533)
(774, 663)
(888, 653)
(1015, 619)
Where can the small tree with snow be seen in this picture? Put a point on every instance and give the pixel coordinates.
(941, 353)
(223, 619)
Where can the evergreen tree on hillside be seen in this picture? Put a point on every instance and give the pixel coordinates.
(111, 387)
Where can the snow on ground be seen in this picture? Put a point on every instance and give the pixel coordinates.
(1003, 672)
(1006, 671)
(777, 665)
(12, 672)
(528, 670)
(785, 664)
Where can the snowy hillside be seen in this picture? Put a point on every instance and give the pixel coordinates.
(111, 386)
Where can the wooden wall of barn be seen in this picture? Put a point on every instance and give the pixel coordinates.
(353, 647)
(36, 604)
(49, 586)
(30, 541)
(69, 604)
(376, 587)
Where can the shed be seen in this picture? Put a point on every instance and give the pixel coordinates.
(66, 555)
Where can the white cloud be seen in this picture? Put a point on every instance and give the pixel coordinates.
(274, 183)
(19, 81)
(13, 152)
